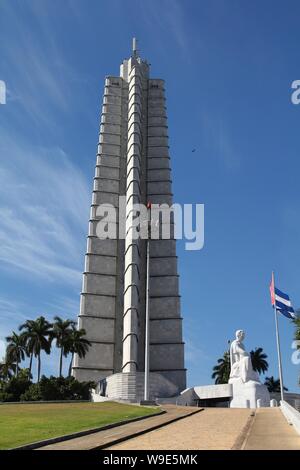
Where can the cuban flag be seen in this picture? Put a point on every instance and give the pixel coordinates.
(281, 301)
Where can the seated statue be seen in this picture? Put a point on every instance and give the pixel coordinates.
(240, 361)
(247, 390)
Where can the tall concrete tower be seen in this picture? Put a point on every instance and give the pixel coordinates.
(132, 161)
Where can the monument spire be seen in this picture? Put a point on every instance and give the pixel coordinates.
(135, 51)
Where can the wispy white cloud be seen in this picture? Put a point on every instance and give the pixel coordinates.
(66, 307)
(12, 314)
(10, 309)
(40, 78)
(44, 212)
(44, 196)
(217, 138)
(175, 17)
(193, 353)
(168, 17)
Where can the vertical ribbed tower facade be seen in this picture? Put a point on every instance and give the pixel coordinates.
(132, 161)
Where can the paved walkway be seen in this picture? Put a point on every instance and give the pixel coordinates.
(210, 429)
(271, 431)
(213, 428)
(101, 439)
(221, 429)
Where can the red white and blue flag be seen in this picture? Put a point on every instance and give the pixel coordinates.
(281, 301)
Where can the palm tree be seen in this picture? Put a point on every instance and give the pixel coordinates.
(38, 338)
(7, 369)
(273, 385)
(77, 344)
(28, 333)
(221, 371)
(15, 351)
(258, 359)
(62, 330)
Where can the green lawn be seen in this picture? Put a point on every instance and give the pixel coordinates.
(23, 424)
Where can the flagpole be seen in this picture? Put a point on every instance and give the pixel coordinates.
(278, 342)
(147, 335)
(147, 315)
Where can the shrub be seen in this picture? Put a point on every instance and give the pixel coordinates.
(48, 389)
(58, 388)
(4, 396)
(14, 388)
(33, 393)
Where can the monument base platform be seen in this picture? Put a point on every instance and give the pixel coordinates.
(249, 395)
(130, 387)
(148, 403)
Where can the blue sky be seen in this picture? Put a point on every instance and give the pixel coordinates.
(228, 67)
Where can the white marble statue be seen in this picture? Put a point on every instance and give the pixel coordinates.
(240, 361)
(247, 390)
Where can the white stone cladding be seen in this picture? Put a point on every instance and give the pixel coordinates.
(133, 161)
(130, 386)
(135, 74)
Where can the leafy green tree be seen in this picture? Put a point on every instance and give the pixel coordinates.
(78, 344)
(258, 359)
(15, 351)
(273, 385)
(221, 371)
(62, 331)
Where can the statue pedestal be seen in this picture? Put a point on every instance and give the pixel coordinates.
(246, 394)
